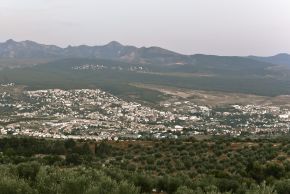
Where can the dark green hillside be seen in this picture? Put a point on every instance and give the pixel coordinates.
(67, 64)
(211, 166)
(230, 65)
(280, 59)
(60, 74)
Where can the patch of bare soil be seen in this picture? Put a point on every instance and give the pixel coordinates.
(214, 98)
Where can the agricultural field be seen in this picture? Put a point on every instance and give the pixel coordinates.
(220, 165)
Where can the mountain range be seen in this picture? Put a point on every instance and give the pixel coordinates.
(113, 50)
(25, 50)
(281, 59)
(116, 68)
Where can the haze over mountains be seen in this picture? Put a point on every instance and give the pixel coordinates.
(282, 59)
(116, 51)
(118, 68)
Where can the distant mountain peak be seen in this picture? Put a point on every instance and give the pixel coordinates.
(114, 44)
(283, 55)
(113, 50)
(281, 59)
(30, 42)
(10, 41)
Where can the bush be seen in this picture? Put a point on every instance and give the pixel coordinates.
(126, 188)
(28, 170)
(144, 182)
(74, 159)
(75, 184)
(228, 185)
(106, 186)
(283, 186)
(12, 185)
(261, 189)
(275, 170)
(184, 190)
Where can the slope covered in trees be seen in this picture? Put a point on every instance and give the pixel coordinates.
(169, 166)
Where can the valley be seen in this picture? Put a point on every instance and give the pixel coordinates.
(100, 93)
(97, 115)
(194, 99)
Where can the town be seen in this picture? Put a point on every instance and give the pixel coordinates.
(100, 67)
(96, 115)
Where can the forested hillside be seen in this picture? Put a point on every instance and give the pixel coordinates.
(128, 167)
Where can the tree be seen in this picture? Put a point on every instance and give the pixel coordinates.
(275, 170)
(228, 185)
(74, 159)
(12, 185)
(184, 190)
(28, 170)
(106, 186)
(52, 159)
(69, 144)
(261, 189)
(256, 171)
(127, 188)
(86, 149)
(283, 186)
(144, 182)
(103, 149)
(75, 184)
(48, 180)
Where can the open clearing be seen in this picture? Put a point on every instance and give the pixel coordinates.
(214, 98)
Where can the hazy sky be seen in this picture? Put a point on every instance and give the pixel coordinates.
(224, 27)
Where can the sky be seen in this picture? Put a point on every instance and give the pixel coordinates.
(221, 27)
